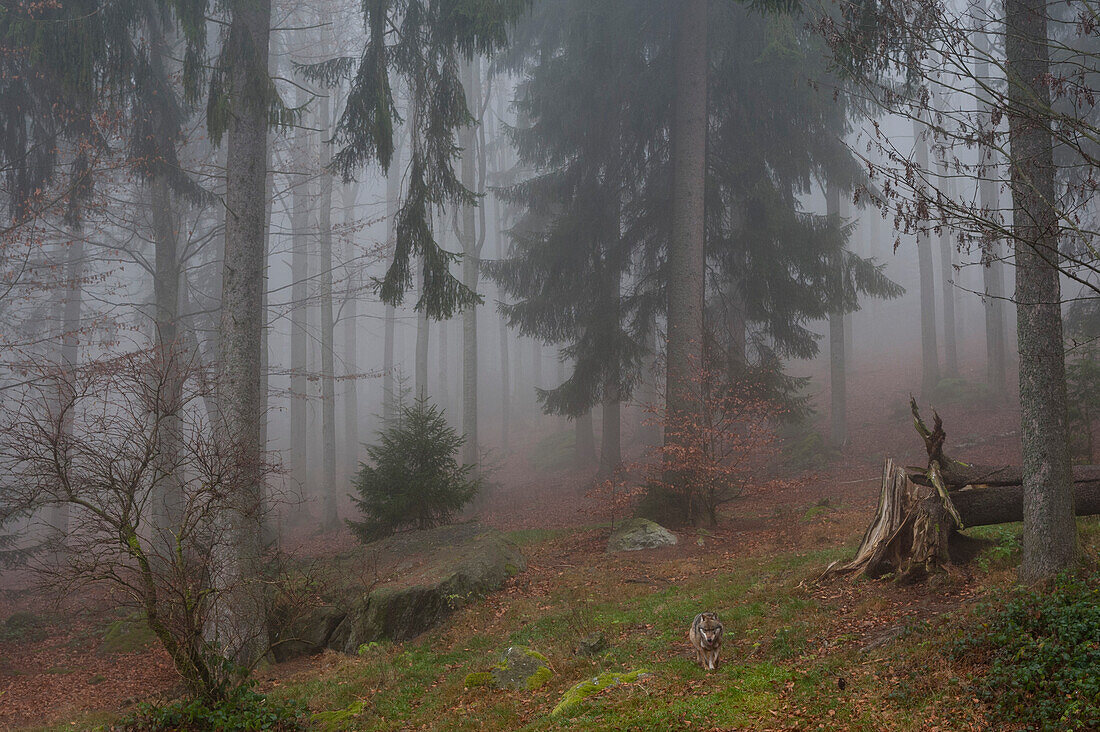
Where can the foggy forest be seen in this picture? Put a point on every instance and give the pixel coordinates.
(549, 364)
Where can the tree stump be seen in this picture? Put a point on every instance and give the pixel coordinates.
(915, 531)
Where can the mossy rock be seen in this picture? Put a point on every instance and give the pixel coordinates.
(305, 635)
(640, 533)
(572, 700)
(477, 679)
(592, 644)
(466, 563)
(521, 668)
(127, 635)
(23, 627)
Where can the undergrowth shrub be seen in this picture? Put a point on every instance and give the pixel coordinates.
(1043, 651)
(244, 710)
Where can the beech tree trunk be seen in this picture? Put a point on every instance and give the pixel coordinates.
(168, 509)
(242, 631)
(992, 251)
(330, 516)
(687, 255)
(422, 333)
(930, 358)
(838, 368)
(1050, 533)
(947, 261)
(351, 341)
(470, 266)
(393, 195)
(299, 275)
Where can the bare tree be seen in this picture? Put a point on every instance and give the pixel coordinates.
(97, 451)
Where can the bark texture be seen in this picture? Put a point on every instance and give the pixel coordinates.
(470, 267)
(330, 518)
(1050, 533)
(930, 357)
(686, 257)
(241, 629)
(838, 371)
(992, 250)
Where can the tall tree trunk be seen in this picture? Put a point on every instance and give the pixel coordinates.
(505, 384)
(421, 368)
(351, 341)
(393, 195)
(585, 442)
(300, 205)
(243, 631)
(611, 453)
(993, 271)
(1050, 532)
(649, 431)
(947, 261)
(169, 500)
(536, 367)
(838, 363)
(168, 503)
(930, 357)
(70, 302)
(470, 265)
(687, 248)
(330, 516)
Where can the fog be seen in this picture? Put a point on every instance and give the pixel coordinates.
(287, 286)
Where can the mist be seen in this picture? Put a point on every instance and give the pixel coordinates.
(538, 364)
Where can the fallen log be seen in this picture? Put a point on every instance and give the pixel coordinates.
(920, 512)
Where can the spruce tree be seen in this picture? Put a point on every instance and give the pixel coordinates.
(599, 97)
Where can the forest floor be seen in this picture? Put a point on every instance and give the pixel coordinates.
(800, 653)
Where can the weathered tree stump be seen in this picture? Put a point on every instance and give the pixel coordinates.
(915, 531)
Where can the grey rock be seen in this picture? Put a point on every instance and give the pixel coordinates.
(521, 668)
(640, 533)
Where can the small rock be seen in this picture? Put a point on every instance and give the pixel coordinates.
(521, 668)
(640, 533)
(592, 644)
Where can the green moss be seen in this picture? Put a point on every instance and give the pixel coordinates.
(127, 635)
(23, 626)
(536, 655)
(477, 678)
(338, 719)
(588, 688)
(511, 569)
(539, 679)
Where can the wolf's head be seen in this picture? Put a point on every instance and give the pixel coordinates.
(710, 629)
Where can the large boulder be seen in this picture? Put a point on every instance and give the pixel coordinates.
(458, 564)
(639, 533)
(307, 634)
(425, 576)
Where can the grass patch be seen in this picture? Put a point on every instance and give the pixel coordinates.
(130, 634)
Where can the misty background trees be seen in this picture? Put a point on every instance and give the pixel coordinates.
(526, 214)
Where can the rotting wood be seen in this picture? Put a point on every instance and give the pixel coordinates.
(915, 531)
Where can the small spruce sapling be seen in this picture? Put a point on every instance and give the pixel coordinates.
(412, 477)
